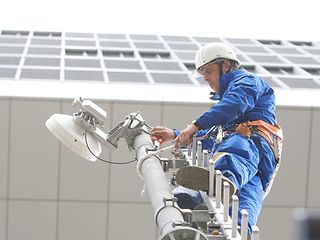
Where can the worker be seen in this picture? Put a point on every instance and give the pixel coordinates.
(250, 150)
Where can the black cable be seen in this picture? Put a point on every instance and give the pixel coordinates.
(103, 160)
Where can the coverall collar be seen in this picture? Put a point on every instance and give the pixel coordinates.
(226, 78)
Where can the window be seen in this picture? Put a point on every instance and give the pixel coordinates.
(7, 72)
(9, 60)
(81, 52)
(83, 75)
(33, 61)
(10, 32)
(80, 43)
(11, 50)
(266, 59)
(47, 34)
(183, 46)
(155, 55)
(44, 51)
(176, 38)
(127, 77)
(13, 40)
(143, 37)
(111, 36)
(171, 78)
(54, 42)
(303, 60)
(115, 44)
(280, 70)
(300, 83)
(169, 66)
(270, 42)
(114, 53)
(301, 43)
(79, 35)
(82, 63)
(40, 74)
(252, 49)
(152, 45)
(122, 64)
(285, 50)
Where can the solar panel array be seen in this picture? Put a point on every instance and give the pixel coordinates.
(149, 59)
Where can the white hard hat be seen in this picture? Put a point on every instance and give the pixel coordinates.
(212, 51)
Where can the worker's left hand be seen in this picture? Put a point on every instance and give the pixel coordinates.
(185, 136)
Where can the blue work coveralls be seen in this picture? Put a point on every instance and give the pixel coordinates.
(250, 162)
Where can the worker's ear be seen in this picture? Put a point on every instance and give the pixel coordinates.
(226, 66)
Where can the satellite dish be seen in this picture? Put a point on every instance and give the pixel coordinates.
(72, 135)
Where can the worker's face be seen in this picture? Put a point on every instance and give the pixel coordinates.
(210, 73)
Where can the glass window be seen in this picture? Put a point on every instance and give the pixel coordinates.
(252, 49)
(152, 45)
(171, 78)
(266, 59)
(170, 66)
(115, 44)
(44, 51)
(83, 63)
(122, 64)
(79, 35)
(280, 70)
(313, 71)
(80, 43)
(127, 77)
(285, 50)
(12, 50)
(40, 74)
(32, 61)
(240, 40)
(303, 60)
(7, 72)
(47, 34)
(143, 37)
(83, 75)
(300, 83)
(155, 55)
(176, 38)
(313, 51)
(55, 42)
(13, 40)
(81, 52)
(270, 42)
(10, 32)
(207, 39)
(111, 36)
(115, 53)
(186, 55)
(183, 46)
(9, 60)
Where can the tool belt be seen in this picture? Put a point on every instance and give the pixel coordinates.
(272, 133)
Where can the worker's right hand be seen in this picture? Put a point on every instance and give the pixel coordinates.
(162, 132)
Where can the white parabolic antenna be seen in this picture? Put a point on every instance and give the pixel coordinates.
(72, 135)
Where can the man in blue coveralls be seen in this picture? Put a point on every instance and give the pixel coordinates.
(249, 153)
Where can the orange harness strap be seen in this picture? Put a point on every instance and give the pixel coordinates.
(272, 133)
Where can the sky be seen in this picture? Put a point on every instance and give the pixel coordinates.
(260, 19)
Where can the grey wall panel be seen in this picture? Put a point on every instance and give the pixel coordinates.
(180, 115)
(4, 146)
(125, 182)
(133, 221)
(32, 220)
(79, 178)
(82, 221)
(314, 167)
(3, 218)
(289, 188)
(33, 150)
(276, 223)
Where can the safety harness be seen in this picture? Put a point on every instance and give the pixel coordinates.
(272, 134)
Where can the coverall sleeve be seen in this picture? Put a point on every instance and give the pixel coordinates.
(238, 99)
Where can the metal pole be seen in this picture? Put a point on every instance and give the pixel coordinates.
(168, 216)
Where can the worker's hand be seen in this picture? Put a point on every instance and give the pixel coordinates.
(162, 133)
(185, 136)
